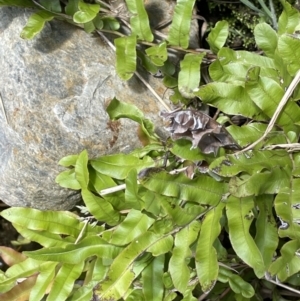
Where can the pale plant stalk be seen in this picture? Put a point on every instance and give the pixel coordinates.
(161, 101)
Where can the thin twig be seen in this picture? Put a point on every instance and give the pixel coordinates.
(153, 91)
(82, 231)
(286, 145)
(3, 109)
(202, 297)
(291, 289)
(137, 74)
(112, 189)
(102, 3)
(52, 12)
(177, 171)
(281, 105)
(216, 114)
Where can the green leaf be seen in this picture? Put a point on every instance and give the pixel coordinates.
(64, 281)
(81, 170)
(224, 274)
(158, 54)
(181, 187)
(44, 238)
(266, 237)
(247, 58)
(71, 7)
(146, 62)
(126, 56)
(52, 5)
(233, 72)
(168, 68)
(68, 160)
(181, 23)
(84, 293)
(240, 215)
(288, 46)
(252, 76)
(266, 93)
(178, 265)
(236, 282)
(100, 269)
(162, 226)
(136, 294)
(189, 74)
(45, 277)
(110, 23)
(264, 182)
(182, 216)
(122, 286)
(132, 196)
(229, 68)
(266, 38)
(87, 12)
(152, 278)
(74, 253)
(162, 246)
(176, 97)
(249, 133)
(100, 208)
(35, 24)
(240, 286)
(20, 290)
(6, 285)
(230, 99)
(286, 206)
(171, 82)
(98, 22)
(100, 181)
(134, 225)
(296, 169)
(89, 27)
(282, 69)
(24, 269)
(206, 255)
(21, 3)
(221, 251)
(139, 21)
(188, 294)
(170, 296)
(56, 222)
(150, 148)
(118, 109)
(118, 166)
(218, 36)
(250, 162)
(120, 274)
(67, 179)
(117, 200)
(289, 19)
(288, 263)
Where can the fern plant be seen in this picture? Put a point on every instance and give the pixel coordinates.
(174, 221)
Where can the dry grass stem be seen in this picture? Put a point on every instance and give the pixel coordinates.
(112, 189)
(162, 102)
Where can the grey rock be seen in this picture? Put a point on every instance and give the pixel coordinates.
(54, 90)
